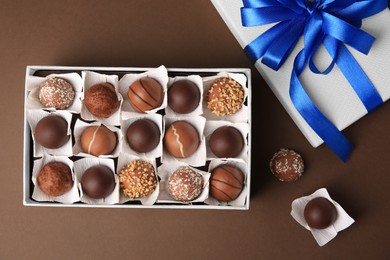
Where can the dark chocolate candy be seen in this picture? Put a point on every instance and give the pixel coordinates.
(98, 182)
(320, 213)
(226, 141)
(143, 135)
(183, 96)
(52, 132)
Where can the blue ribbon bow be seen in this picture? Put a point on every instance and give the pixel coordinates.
(333, 23)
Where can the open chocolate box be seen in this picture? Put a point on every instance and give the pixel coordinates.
(78, 117)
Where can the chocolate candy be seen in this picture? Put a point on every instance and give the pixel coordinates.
(52, 132)
(320, 213)
(98, 182)
(183, 96)
(55, 179)
(57, 93)
(185, 184)
(98, 140)
(287, 165)
(138, 179)
(143, 135)
(226, 141)
(102, 100)
(225, 97)
(226, 182)
(181, 139)
(145, 94)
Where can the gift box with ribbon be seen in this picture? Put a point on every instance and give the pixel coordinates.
(327, 61)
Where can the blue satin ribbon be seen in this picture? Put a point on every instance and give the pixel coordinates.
(332, 23)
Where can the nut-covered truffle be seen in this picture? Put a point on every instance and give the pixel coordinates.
(55, 179)
(320, 213)
(181, 139)
(102, 100)
(185, 184)
(226, 142)
(98, 181)
(98, 140)
(287, 165)
(226, 182)
(145, 94)
(57, 93)
(225, 97)
(183, 96)
(143, 135)
(52, 132)
(138, 179)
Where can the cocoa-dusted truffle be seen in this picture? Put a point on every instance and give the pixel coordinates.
(320, 213)
(98, 140)
(98, 182)
(145, 94)
(55, 179)
(143, 135)
(52, 132)
(287, 165)
(181, 139)
(225, 97)
(102, 100)
(138, 179)
(226, 182)
(57, 93)
(185, 184)
(183, 96)
(226, 142)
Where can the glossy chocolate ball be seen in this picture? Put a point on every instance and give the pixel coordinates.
(55, 179)
(52, 132)
(143, 135)
(226, 142)
(320, 213)
(57, 93)
(226, 182)
(287, 165)
(145, 94)
(98, 182)
(102, 100)
(185, 184)
(183, 96)
(98, 140)
(181, 139)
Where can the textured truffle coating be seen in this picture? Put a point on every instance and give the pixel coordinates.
(287, 165)
(181, 139)
(226, 182)
(226, 142)
(185, 184)
(138, 179)
(98, 140)
(320, 213)
(101, 100)
(183, 96)
(143, 135)
(52, 132)
(98, 182)
(145, 94)
(57, 93)
(225, 97)
(55, 179)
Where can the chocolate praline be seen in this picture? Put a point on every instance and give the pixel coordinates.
(226, 182)
(226, 142)
(57, 93)
(101, 100)
(145, 94)
(143, 135)
(183, 96)
(181, 139)
(320, 213)
(52, 132)
(98, 140)
(287, 165)
(185, 184)
(55, 179)
(98, 182)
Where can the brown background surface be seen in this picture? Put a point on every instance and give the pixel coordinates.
(179, 34)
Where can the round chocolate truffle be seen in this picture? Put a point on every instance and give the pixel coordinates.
(98, 182)
(138, 179)
(320, 213)
(145, 94)
(52, 132)
(98, 140)
(287, 165)
(226, 182)
(183, 96)
(57, 93)
(55, 179)
(185, 184)
(101, 100)
(181, 139)
(226, 142)
(143, 135)
(225, 97)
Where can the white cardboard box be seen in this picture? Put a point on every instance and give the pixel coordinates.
(28, 156)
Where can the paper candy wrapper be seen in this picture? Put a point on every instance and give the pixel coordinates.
(331, 93)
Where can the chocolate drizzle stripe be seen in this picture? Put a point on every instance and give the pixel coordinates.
(231, 173)
(150, 95)
(93, 139)
(228, 184)
(221, 191)
(132, 90)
